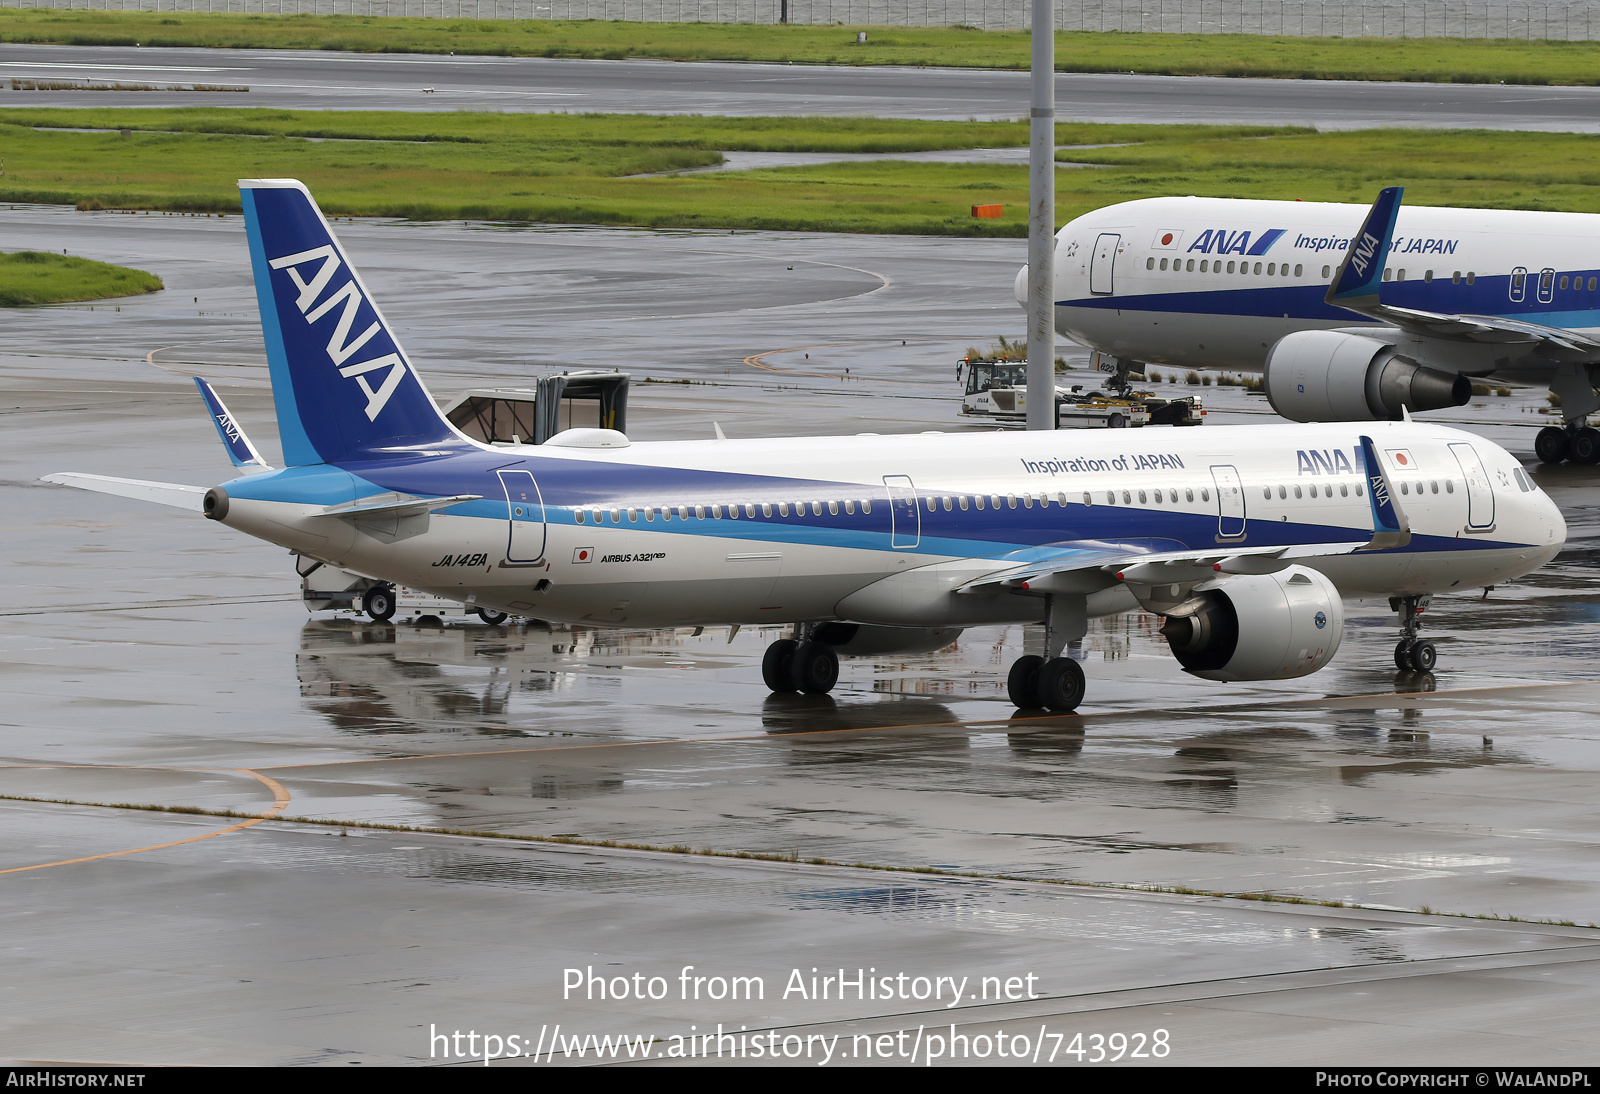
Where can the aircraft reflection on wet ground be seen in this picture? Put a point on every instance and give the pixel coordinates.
(1371, 788)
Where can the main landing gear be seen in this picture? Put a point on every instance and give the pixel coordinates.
(1412, 654)
(1574, 441)
(800, 664)
(1052, 682)
(1057, 684)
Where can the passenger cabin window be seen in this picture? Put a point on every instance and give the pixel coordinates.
(1297, 269)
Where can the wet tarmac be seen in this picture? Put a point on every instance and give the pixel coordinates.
(153, 659)
(329, 80)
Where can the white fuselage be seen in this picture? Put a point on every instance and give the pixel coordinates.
(882, 529)
(1214, 282)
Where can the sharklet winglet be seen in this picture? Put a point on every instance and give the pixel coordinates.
(240, 450)
(1390, 528)
(1355, 284)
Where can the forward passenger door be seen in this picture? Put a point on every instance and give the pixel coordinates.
(1103, 262)
(1230, 501)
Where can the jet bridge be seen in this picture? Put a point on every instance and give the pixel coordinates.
(589, 397)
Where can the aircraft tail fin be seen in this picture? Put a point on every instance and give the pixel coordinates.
(240, 450)
(344, 389)
(1356, 283)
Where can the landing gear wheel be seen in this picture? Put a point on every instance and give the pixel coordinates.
(491, 617)
(1402, 654)
(1061, 685)
(1586, 446)
(775, 665)
(1552, 444)
(1022, 683)
(813, 668)
(378, 602)
(1423, 657)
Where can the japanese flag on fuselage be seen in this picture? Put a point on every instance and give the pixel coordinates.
(1167, 239)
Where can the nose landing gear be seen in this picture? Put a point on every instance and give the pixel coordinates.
(1413, 654)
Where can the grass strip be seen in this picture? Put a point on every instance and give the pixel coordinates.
(1260, 895)
(35, 277)
(551, 168)
(1445, 60)
(601, 169)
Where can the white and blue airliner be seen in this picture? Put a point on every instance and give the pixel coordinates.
(1244, 539)
(1456, 294)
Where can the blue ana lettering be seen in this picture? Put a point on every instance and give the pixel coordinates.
(1221, 241)
(1330, 462)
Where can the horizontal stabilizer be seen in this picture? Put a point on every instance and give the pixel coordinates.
(163, 493)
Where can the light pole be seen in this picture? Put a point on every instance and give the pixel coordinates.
(1042, 222)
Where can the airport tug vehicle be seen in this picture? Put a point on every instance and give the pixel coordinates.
(997, 388)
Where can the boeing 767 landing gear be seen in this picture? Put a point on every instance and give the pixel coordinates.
(1412, 654)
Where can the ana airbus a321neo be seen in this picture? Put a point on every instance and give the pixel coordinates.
(1243, 538)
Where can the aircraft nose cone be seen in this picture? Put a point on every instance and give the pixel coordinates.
(1020, 289)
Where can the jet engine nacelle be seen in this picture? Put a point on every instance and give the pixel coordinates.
(1326, 376)
(1257, 627)
(866, 640)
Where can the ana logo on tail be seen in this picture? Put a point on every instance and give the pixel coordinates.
(341, 346)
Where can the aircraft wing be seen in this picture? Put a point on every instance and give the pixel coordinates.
(164, 493)
(1163, 578)
(1082, 567)
(1356, 287)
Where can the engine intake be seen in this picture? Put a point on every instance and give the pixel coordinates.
(1257, 627)
(1326, 376)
